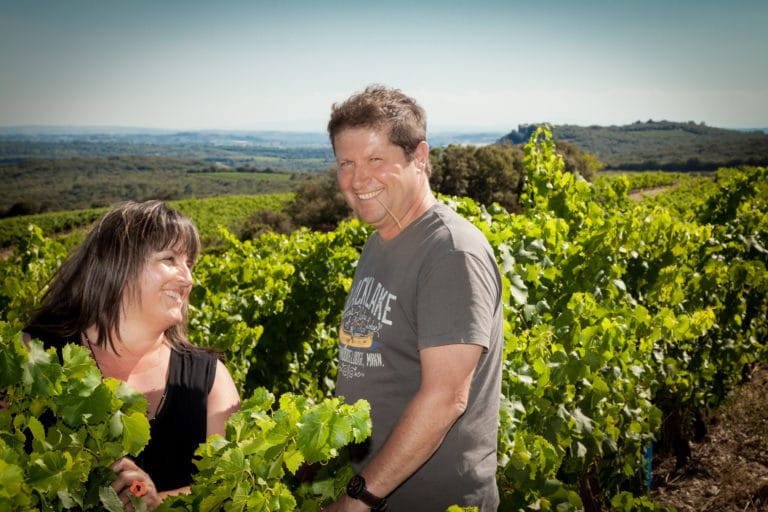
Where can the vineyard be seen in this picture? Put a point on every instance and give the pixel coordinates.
(625, 322)
(226, 211)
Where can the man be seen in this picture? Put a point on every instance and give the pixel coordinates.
(421, 335)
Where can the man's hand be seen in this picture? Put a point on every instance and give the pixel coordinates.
(347, 504)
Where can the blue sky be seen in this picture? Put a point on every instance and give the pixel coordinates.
(473, 65)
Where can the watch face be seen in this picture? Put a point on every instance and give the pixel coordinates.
(355, 486)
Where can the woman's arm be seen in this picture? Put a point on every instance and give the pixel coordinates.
(223, 400)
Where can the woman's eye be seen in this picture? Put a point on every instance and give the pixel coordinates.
(169, 260)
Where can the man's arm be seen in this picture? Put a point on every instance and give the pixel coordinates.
(446, 376)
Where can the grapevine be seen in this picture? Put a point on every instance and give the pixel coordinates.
(619, 315)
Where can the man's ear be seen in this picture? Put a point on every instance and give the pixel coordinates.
(421, 155)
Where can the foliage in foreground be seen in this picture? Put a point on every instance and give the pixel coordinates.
(255, 466)
(64, 425)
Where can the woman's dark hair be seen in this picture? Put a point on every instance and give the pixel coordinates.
(89, 287)
(382, 108)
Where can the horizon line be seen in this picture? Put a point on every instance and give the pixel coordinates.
(440, 129)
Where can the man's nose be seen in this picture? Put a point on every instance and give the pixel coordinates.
(360, 176)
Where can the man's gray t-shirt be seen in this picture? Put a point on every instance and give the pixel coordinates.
(436, 283)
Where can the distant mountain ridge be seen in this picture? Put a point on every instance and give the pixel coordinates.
(650, 145)
(275, 138)
(231, 147)
(663, 145)
(107, 134)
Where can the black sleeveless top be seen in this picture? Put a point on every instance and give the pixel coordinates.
(180, 425)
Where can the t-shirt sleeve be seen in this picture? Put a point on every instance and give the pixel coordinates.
(456, 298)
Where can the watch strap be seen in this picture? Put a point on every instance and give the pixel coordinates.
(356, 489)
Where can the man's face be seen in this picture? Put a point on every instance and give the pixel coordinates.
(379, 183)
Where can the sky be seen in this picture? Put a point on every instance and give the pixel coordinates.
(476, 65)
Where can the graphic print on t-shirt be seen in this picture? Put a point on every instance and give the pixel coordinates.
(365, 313)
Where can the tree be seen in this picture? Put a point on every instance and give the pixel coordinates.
(501, 176)
(452, 168)
(318, 203)
(263, 221)
(579, 162)
(486, 174)
(23, 208)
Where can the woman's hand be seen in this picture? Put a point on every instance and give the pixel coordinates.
(132, 480)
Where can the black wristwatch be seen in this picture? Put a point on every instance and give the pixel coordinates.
(356, 489)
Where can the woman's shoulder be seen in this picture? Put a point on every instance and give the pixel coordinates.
(192, 352)
(191, 363)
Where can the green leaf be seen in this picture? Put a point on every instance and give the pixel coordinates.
(11, 480)
(130, 400)
(135, 432)
(360, 420)
(518, 289)
(111, 501)
(37, 429)
(84, 401)
(313, 435)
(232, 465)
(293, 460)
(341, 431)
(78, 363)
(214, 497)
(42, 373)
(239, 498)
(12, 359)
(48, 473)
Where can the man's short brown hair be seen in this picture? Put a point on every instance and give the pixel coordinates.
(382, 108)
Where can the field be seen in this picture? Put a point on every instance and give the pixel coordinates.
(228, 212)
(728, 469)
(37, 186)
(628, 324)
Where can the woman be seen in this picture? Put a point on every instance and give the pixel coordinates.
(124, 294)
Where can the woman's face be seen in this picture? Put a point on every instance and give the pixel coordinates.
(163, 291)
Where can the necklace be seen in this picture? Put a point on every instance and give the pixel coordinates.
(165, 388)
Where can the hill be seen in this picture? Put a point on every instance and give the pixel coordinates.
(36, 186)
(660, 145)
(52, 168)
(650, 145)
(289, 151)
